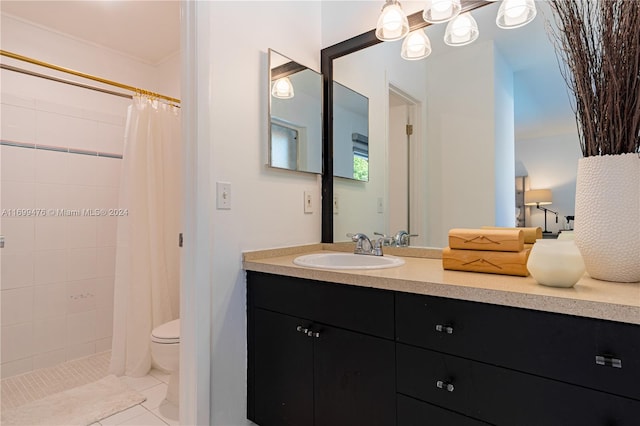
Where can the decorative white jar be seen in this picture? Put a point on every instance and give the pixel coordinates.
(556, 263)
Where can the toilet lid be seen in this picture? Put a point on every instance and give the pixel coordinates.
(167, 333)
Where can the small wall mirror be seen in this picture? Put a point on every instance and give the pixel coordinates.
(350, 133)
(295, 115)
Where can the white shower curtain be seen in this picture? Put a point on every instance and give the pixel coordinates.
(146, 292)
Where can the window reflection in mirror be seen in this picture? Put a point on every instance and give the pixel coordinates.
(295, 115)
(350, 133)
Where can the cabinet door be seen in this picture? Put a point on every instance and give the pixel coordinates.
(283, 371)
(412, 412)
(354, 379)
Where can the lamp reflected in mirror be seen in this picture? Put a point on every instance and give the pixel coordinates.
(538, 198)
(282, 88)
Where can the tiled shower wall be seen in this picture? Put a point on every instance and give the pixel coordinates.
(58, 264)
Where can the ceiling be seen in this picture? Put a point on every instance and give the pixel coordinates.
(147, 30)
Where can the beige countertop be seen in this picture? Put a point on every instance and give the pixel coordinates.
(423, 274)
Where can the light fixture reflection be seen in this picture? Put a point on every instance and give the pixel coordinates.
(461, 30)
(515, 13)
(416, 46)
(282, 88)
(438, 11)
(392, 23)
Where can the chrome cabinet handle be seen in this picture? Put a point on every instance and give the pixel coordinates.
(302, 329)
(312, 333)
(444, 328)
(608, 361)
(441, 384)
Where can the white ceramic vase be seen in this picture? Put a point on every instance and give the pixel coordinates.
(555, 263)
(607, 216)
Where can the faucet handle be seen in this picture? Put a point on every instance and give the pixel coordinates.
(385, 240)
(402, 238)
(363, 244)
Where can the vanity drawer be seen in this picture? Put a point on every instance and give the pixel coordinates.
(552, 345)
(412, 412)
(362, 309)
(501, 396)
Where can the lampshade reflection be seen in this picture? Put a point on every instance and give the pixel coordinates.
(282, 88)
(516, 13)
(461, 31)
(416, 46)
(438, 11)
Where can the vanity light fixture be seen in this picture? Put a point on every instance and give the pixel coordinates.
(540, 197)
(392, 23)
(515, 13)
(462, 30)
(282, 88)
(416, 45)
(438, 11)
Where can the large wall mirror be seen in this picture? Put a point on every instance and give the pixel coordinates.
(295, 115)
(448, 134)
(350, 133)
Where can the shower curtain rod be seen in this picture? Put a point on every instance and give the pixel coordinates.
(79, 74)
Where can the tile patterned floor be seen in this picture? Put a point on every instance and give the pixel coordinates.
(155, 411)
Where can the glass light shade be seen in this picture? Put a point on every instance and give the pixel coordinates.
(463, 29)
(536, 197)
(416, 46)
(438, 11)
(282, 88)
(392, 23)
(516, 13)
(556, 263)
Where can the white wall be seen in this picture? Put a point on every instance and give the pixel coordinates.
(267, 204)
(58, 271)
(504, 142)
(462, 135)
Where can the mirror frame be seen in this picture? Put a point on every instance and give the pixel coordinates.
(327, 56)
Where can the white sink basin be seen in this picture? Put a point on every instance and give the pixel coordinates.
(347, 261)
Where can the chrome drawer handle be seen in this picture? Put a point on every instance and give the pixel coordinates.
(315, 334)
(444, 328)
(440, 384)
(608, 361)
(302, 329)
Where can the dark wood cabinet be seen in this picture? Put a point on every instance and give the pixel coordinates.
(561, 347)
(324, 354)
(327, 366)
(283, 371)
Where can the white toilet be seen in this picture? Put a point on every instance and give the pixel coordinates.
(165, 350)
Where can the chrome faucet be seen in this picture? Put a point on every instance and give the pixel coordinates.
(364, 246)
(402, 238)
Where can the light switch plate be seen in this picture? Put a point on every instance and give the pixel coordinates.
(223, 195)
(336, 204)
(308, 202)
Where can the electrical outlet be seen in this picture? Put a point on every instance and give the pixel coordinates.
(223, 196)
(308, 202)
(336, 205)
(380, 205)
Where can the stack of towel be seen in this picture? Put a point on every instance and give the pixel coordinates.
(490, 249)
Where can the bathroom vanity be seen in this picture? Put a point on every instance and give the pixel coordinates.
(416, 345)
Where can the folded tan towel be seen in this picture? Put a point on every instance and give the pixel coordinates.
(531, 234)
(486, 239)
(492, 262)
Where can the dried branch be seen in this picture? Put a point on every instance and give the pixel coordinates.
(598, 48)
